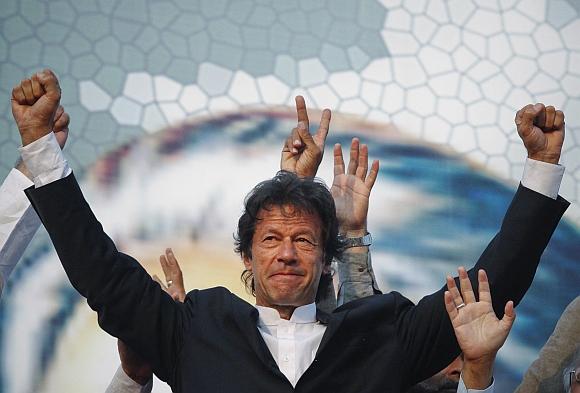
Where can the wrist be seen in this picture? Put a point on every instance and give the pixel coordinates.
(352, 231)
(551, 158)
(478, 374)
(28, 136)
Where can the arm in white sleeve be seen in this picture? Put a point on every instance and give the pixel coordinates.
(18, 222)
(542, 177)
(44, 160)
(462, 389)
(121, 383)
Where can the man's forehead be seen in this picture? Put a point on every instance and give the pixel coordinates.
(287, 213)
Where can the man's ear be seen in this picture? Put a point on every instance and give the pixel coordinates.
(247, 263)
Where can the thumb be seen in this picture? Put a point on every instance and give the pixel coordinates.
(49, 82)
(509, 316)
(525, 118)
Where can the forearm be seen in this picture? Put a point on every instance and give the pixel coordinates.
(131, 306)
(18, 221)
(512, 257)
(356, 276)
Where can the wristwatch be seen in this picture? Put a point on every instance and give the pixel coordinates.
(347, 242)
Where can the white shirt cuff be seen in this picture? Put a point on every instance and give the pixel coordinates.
(543, 177)
(44, 160)
(121, 383)
(461, 388)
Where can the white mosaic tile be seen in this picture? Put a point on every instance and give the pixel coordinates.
(435, 61)
(491, 140)
(520, 70)
(446, 85)
(139, 87)
(324, 96)
(93, 97)
(166, 89)
(516, 22)
(311, 72)
(378, 71)
(172, 112)
(484, 22)
(346, 84)
(214, 79)
(421, 101)
(408, 72)
(393, 98)
(192, 99)
(452, 110)
(398, 19)
(400, 43)
(481, 113)
(272, 90)
(126, 111)
(243, 89)
(153, 119)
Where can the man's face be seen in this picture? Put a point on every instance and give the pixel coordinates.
(287, 257)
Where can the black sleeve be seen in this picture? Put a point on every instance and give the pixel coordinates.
(510, 261)
(130, 305)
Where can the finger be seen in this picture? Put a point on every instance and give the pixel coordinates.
(27, 90)
(450, 305)
(484, 291)
(301, 112)
(320, 137)
(295, 140)
(18, 94)
(540, 119)
(509, 316)
(49, 84)
(37, 89)
(466, 289)
(58, 113)
(372, 177)
(165, 266)
(338, 160)
(525, 118)
(452, 288)
(550, 117)
(363, 162)
(353, 162)
(305, 136)
(158, 280)
(559, 120)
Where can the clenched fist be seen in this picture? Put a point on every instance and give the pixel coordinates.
(34, 105)
(542, 130)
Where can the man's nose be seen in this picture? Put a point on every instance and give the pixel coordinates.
(287, 251)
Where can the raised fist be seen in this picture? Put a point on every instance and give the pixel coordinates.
(542, 130)
(35, 102)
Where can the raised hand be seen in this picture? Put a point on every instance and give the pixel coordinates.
(173, 276)
(351, 189)
(133, 365)
(302, 152)
(542, 129)
(478, 331)
(34, 105)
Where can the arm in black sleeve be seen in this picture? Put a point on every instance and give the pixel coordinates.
(510, 260)
(130, 305)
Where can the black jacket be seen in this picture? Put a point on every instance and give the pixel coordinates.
(210, 343)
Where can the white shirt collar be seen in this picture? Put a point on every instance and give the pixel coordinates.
(303, 314)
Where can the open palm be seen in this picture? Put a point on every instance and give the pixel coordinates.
(351, 189)
(479, 332)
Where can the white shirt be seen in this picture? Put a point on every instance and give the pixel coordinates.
(293, 343)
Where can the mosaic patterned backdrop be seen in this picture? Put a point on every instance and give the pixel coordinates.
(450, 73)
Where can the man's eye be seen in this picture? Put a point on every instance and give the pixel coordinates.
(304, 240)
(269, 238)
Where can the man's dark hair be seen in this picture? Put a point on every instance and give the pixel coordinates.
(306, 195)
